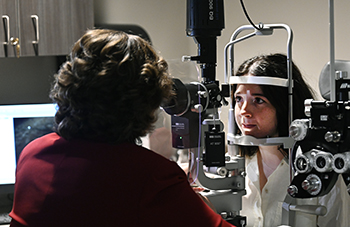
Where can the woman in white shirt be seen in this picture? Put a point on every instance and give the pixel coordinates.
(262, 111)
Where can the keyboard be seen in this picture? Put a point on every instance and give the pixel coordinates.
(5, 218)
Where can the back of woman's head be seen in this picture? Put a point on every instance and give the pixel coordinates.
(275, 65)
(110, 88)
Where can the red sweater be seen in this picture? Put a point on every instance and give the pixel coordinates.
(82, 183)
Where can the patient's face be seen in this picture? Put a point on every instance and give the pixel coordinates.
(255, 115)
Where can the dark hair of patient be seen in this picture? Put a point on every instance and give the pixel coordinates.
(275, 65)
(110, 87)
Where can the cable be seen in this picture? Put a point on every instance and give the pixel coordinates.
(261, 26)
(194, 178)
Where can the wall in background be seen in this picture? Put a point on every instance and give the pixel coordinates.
(309, 21)
(165, 21)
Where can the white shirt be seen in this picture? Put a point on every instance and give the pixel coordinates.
(265, 208)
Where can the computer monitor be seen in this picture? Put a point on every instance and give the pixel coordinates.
(20, 124)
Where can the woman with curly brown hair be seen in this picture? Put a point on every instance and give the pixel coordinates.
(92, 172)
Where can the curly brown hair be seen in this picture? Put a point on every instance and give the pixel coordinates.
(109, 88)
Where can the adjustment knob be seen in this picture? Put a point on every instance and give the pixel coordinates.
(308, 106)
(222, 171)
(312, 184)
(197, 108)
(332, 136)
(292, 190)
(298, 129)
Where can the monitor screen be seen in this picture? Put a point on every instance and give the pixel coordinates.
(20, 124)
